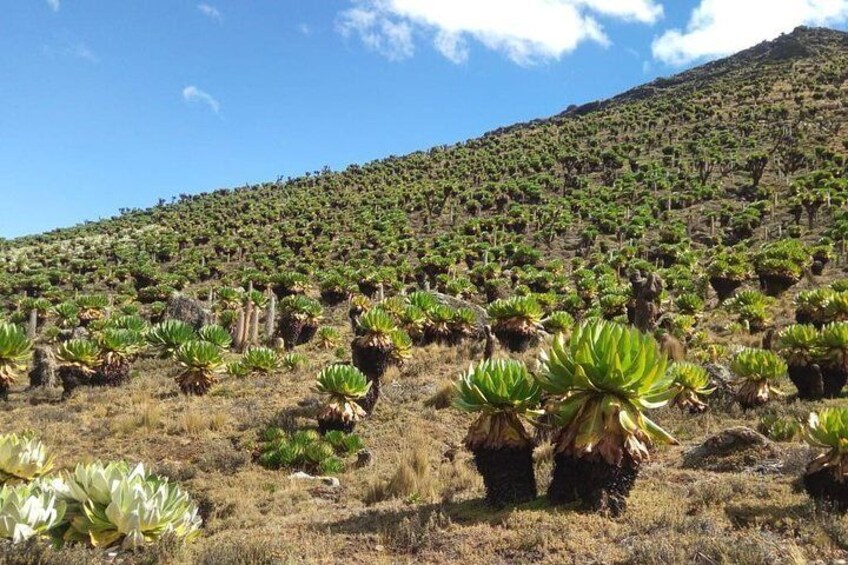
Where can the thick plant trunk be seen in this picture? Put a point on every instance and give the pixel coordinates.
(516, 342)
(194, 383)
(290, 329)
(372, 360)
(507, 474)
(73, 377)
(115, 373)
(775, 285)
(823, 487)
(808, 380)
(307, 332)
(834, 380)
(598, 486)
(330, 424)
(723, 287)
(333, 297)
(369, 401)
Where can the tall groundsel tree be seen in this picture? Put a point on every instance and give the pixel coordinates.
(603, 379)
(504, 394)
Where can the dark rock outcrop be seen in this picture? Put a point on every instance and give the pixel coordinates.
(43, 372)
(188, 310)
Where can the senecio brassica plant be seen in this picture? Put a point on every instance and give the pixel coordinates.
(22, 459)
(115, 504)
(29, 510)
(105, 505)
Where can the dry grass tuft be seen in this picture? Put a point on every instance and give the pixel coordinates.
(444, 396)
(413, 480)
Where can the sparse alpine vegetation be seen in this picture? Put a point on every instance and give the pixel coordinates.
(603, 296)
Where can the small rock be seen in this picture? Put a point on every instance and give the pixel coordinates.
(309, 402)
(364, 458)
(331, 482)
(80, 333)
(722, 379)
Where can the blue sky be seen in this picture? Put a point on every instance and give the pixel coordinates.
(107, 104)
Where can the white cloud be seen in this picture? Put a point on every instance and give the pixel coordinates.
(722, 27)
(390, 37)
(526, 31)
(451, 45)
(83, 51)
(54, 5)
(210, 12)
(305, 29)
(194, 94)
(77, 50)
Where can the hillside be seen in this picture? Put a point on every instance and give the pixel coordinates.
(732, 176)
(675, 153)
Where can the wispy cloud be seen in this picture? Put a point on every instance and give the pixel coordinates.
(722, 27)
(304, 29)
(525, 31)
(194, 94)
(210, 12)
(78, 50)
(54, 5)
(391, 38)
(83, 51)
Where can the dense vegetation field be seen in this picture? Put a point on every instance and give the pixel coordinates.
(709, 209)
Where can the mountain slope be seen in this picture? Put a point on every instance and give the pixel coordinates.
(672, 154)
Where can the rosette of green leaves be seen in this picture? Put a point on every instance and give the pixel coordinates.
(503, 393)
(798, 344)
(833, 345)
(23, 458)
(604, 377)
(167, 337)
(828, 429)
(83, 354)
(302, 308)
(692, 383)
(328, 337)
(116, 504)
(216, 335)
(15, 348)
(118, 344)
(342, 386)
(756, 371)
(128, 322)
(259, 359)
(29, 511)
(812, 304)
